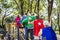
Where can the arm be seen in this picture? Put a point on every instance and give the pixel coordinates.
(25, 21)
(40, 32)
(33, 18)
(30, 22)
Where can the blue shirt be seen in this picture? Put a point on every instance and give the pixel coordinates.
(25, 16)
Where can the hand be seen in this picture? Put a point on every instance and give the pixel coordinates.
(22, 25)
(32, 22)
(40, 32)
(29, 22)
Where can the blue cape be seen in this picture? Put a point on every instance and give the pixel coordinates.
(48, 34)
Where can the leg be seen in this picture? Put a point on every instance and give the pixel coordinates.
(18, 33)
(26, 34)
(31, 34)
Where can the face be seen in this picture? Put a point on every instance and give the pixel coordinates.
(46, 23)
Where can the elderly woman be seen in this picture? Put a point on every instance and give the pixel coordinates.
(47, 32)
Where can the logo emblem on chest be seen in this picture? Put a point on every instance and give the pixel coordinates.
(39, 23)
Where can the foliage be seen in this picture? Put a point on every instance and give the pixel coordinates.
(27, 5)
(9, 19)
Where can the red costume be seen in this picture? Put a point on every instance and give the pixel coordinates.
(38, 24)
(18, 23)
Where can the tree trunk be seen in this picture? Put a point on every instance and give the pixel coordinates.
(50, 5)
(3, 18)
(3, 26)
(31, 6)
(2, 21)
(59, 29)
(38, 7)
(58, 23)
(28, 6)
(22, 2)
(35, 9)
(17, 6)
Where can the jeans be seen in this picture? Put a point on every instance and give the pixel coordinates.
(27, 31)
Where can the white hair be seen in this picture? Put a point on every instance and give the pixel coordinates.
(46, 22)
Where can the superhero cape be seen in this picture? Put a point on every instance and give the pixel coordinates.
(38, 24)
(25, 21)
(48, 34)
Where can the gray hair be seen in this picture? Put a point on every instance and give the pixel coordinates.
(46, 23)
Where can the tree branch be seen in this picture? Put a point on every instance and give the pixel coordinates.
(9, 14)
(17, 4)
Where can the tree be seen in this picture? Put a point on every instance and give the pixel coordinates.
(58, 23)
(22, 2)
(58, 15)
(38, 6)
(31, 2)
(50, 5)
(5, 7)
(0, 11)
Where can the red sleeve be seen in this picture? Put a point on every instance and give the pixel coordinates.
(20, 24)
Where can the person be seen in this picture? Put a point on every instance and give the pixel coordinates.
(38, 26)
(47, 32)
(24, 17)
(24, 24)
(29, 26)
(18, 21)
(18, 25)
